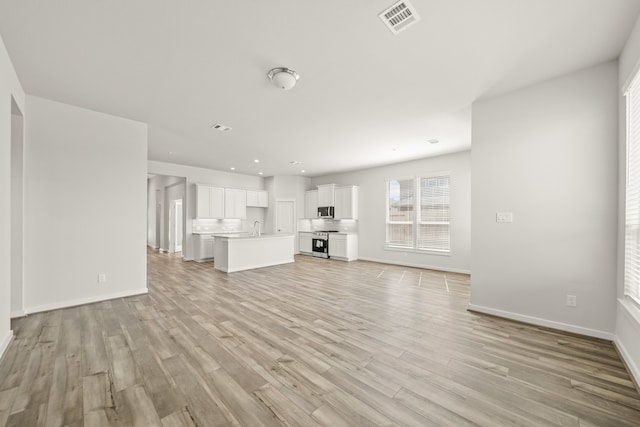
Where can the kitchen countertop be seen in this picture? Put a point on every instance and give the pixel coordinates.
(247, 236)
(220, 232)
(338, 232)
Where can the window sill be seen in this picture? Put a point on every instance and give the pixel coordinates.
(416, 251)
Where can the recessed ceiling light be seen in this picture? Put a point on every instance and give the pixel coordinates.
(259, 173)
(256, 161)
(433, 141)
(232, 168)
(170, 152)
(302, 171)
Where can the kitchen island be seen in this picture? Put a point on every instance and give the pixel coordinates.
(238, 252)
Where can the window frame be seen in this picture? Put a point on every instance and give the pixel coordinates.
(417, 220)
(388, 221)
(631, 276)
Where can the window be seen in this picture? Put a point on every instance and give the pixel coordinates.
(400, 213)
(632, 212)
(433, 233)
(418, 213)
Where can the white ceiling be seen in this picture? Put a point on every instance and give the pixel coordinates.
(365, 97)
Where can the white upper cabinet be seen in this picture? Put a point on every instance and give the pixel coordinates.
(235, 203)
(217, 202)
(209, 201)
(257, 199)
(311, 204)
(346, 202)
(203, 201)
(326, 195)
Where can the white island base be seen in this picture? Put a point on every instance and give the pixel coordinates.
(240, 252)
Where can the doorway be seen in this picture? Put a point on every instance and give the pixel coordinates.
(17, 203)
(158, 219)
(175, 226)
(285, 217)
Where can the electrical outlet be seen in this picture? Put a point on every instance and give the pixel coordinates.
(102, 277)
(572, 300)
(504, 216)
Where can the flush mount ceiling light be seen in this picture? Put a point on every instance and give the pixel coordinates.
(283, 77)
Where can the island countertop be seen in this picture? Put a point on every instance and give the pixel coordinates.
(237, 252)
(249, 236)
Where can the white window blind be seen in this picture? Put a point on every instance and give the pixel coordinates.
(632, 213)
(400, 214)
(433, 233)
(418, 213)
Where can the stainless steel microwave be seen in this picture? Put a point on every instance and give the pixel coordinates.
(325, 212)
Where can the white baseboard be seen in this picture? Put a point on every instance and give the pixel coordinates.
(18, 313)
(408, 264)
(628, 331)
(4, 344)
(543, 322)
(634, 370)
(81, 301)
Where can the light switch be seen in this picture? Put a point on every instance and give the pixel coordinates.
(504, 216)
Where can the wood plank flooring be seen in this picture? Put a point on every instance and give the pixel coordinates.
(315, 343)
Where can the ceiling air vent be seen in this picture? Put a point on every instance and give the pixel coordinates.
(399, 16)
(221, 128)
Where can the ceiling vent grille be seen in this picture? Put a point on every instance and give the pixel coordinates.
(399, 16)
(221, 128)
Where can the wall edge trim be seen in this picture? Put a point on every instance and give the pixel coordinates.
(82, 301)
(4, 345)
(630, 364)
(566, 327)
(18, 313)
(408, 264)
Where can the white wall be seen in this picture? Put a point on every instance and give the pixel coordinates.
(285, 187)
(548, 153)
(17, 202)
(85, 205)
(372, 206)
(9, 87)
(627, 313)
(196, 175)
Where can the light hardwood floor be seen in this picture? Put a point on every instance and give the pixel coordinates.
(318, 342)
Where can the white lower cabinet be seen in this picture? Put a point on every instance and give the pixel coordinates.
(304, 242)
(343, 246)
(203, 247)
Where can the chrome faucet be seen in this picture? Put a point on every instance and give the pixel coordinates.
(256, 233)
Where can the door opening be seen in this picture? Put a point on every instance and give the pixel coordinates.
(175, 226)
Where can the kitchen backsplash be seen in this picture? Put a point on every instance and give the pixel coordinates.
(216, 225)
(348, 225)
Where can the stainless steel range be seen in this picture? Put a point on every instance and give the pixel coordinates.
(320, 243)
